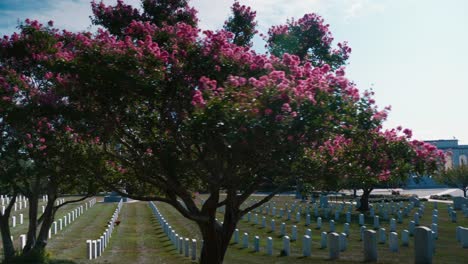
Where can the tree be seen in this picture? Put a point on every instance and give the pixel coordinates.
(39, 152)
(456, 176)
(242, 24)
(177, 111)
(310, 39)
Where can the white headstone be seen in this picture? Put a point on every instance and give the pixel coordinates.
(334, 245)
(423, 248)
(269, 246)
(306, 246)
(393, 241)
(194, 249)
(370, 246)
(286, 246)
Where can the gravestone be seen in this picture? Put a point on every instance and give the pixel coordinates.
(370, 246)
(286, 246)
(269, 246)
(343, 241)
(361, 219)
(323, 240)
(245, 240)
(306, 246)
(423, 248)
(256, 243)
(294, 233)
(392, 225)
(393, 241)
(334, 245)
(346, 229)
(382, 236)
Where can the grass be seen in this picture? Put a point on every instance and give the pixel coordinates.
(139, 238)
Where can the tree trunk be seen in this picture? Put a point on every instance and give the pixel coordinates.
(48, 219)
(365, 200)
(216, 237)
(8, 247)
(32, 225)
(464, 192)
(354, 193)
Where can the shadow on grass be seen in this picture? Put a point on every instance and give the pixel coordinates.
(62, 261)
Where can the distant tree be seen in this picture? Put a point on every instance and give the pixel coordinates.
(242, 24)
(455, 176)
(310, 39)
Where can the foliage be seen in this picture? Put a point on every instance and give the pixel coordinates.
(310, 39)
(456, 176)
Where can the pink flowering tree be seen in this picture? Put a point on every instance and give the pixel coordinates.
(39, 152)
(310, 39)
(364, 156)
(178, 110)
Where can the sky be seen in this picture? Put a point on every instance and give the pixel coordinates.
(412, 53)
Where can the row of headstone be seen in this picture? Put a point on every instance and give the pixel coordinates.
(184, 246)
(70, 217)
(96, 247)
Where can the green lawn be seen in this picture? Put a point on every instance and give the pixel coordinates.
(140, 239)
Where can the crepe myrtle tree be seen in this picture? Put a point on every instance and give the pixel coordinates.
(173, 110)
(365, 156)
(39, 152)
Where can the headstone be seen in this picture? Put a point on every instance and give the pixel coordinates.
(269, 246)
(392, 225)
(382, 236)
(256, 243)
(236, 236)
(393, 241)
(307, 220)
(405, 238)
(308, 232)
(435, 219)
(298, 217)
(423, 248)
(416, 219)
(273, 225)
(400, 216)
(332, 226)
(245, 241)
(194, 249)
(323, 240)
(294, 233)
(343, 241)
(376, 222)
(286, 246)
(361, 219)
(263, 221)
(283, 229)
(348, 217)
(435, 229)
(411, 228)
(337, 215)
(319, 222)
(334, 245)
(89, 250)
(306, 246)
(362, 229)
(453, 216)
(13, 221)
(22, 241)
(21, 219)
(370, 246)
(346, 229)
(464, 237)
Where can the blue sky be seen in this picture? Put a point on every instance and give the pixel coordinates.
(413, 53)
